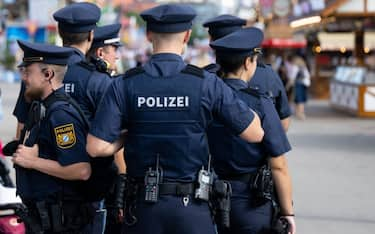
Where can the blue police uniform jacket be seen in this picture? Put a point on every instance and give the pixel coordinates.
(86, 86)
(76, 57)
(22, 107)
(166, 112)
(233, 156)
(62, 138)
(267, 81)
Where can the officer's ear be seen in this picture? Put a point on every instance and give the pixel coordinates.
(48, 73)
(247, 63)
(91, 36)
(187, 36)
(149, 36)
(99, 52)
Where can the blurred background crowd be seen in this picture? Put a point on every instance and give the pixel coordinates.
(333, 39)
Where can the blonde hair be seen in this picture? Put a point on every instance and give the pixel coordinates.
(297, 60)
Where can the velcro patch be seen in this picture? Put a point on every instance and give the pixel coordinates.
(65, 136)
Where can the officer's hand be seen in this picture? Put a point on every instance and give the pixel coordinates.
(292, 224)
(120, 217)
(26, 156)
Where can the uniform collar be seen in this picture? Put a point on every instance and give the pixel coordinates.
(57, 91)
(77, 56)
(236, 84)
(166, 56)
(164, 65)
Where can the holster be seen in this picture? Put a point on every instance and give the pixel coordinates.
(220, 202)
(261, 186)
(131, 192)
(59, 217)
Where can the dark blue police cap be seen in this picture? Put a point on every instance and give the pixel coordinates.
(77, 17)
(242, 42)
(169, 18)
(44, 53)
(106, 35)
(223, 25)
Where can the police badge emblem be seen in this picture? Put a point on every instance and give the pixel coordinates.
(65, 136)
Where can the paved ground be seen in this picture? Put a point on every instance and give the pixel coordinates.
(331, 163)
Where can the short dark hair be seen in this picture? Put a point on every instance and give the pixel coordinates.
(73, 38)
(230, 64)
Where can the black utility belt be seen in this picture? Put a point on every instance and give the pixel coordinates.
(59, 216)
(245, 178)
(176, 189)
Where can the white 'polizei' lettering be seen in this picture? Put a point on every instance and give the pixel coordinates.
(69, 88)
(172, 102)
(163, 102)
(141, 101)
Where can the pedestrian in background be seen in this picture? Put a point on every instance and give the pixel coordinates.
(299, 81)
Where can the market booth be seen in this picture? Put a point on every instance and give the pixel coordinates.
(343, 69)
(353, 90)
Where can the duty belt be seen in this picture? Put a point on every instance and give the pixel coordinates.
(177, 189)
(245, 178)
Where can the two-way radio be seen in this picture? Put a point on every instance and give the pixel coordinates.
(152, 180)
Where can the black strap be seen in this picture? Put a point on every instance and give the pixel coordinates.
(177, 189)
(252, 91)
(132, 72)
(245, 178)
(212, 68)
(55, 97)
(193, 70)
(87, 65)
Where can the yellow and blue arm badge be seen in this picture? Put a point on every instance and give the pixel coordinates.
(65, 136)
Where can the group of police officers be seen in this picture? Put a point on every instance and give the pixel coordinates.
(204, 146)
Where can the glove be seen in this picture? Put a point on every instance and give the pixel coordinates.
(10, 148)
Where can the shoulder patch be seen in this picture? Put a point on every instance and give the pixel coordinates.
(65, 136)
(193, 70)
(132, 72)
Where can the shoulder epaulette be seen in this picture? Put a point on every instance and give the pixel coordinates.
(260, 64)
(212, 68)
(253, 91)
(193, 70)
(87, 65)
(133, 71)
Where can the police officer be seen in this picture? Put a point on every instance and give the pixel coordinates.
(165, 106)
(103, 52)
(51, 159)
(237, 160)
(87, 88)
(75, 23)
(264, 78)
(86, 85)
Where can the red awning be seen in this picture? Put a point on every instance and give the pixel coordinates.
(283, 43)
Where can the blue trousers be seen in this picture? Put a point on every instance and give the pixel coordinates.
(244, 218)
(98, 224)
(170, 216)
